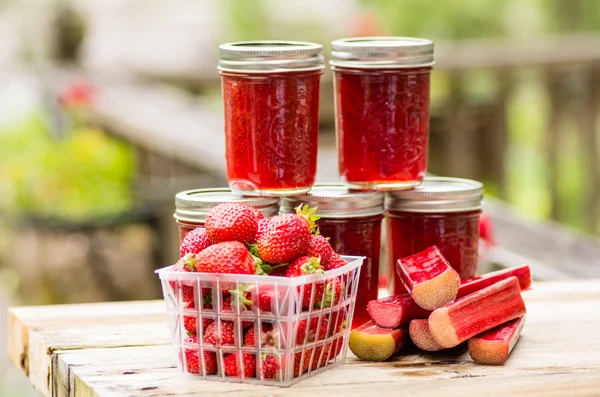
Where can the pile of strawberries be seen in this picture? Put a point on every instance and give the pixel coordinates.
(237, 239)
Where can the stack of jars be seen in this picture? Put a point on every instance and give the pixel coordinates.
(271, 101)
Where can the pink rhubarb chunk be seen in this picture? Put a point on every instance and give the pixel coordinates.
(478, 312)
(372, 343)
(523, 273)
(395, 310)
(494, 346)
(421, 336)
(429, 278)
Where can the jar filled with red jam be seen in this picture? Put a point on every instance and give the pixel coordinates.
(192, 206)
(382, 110)
(271, 99)
(441, 211)
(352, 221)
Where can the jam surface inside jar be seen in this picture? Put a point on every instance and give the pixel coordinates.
(382, 120)
(456, 234)
(358, 237)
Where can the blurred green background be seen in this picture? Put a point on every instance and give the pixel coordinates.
(99, 101)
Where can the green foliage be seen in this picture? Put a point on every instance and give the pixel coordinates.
(85, 175)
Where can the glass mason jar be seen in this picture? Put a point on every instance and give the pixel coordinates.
(382, 110)
(352, 221)
(441, 211)
(192, 206)
(271, 99)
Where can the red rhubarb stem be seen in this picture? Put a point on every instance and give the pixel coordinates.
(478, 312)
(494, 346)
(523, 273)
(395, 310)
(421, 336)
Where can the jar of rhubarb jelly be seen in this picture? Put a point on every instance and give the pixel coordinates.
(382, 110)
(352, 221)
(441, 211)
(192, 206)
(271, 98)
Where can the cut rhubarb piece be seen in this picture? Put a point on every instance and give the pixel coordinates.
(395, 310)
(494, 346)
(421, 336)
(478, 312)
(429, 278)
(372, 343)
(523, 273)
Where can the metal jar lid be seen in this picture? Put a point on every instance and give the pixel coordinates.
(438, 194)
(265, 56)
(337, 201)
(381, 52)
(194, 205)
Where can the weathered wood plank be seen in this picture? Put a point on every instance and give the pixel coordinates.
(559, 343)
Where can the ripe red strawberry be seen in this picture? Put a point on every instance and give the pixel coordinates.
(270, 366)
(227, 307)
(335, 261)
(330, 351)
(267, 334)
(259, 215)
(339, 320)
(227, 257)
(231, 222)
(285, 238)
(319, 247)
(311, 331)
(332, 295)
(192, 360)
(194, 242)
(226, 337)
(301, 364)
(301, 267)
(262, 226)
(230, 362)
(190, 324)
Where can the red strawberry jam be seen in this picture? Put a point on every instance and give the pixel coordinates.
(192, 206)
(271, 101)
(352, 222)
(441, 211)
(382, 110)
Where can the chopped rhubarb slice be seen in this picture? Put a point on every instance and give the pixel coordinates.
(523, 273)
(395, 310)
(372, 343)
(494, 346)
(421, 336)
(429, 278)
(478, 312)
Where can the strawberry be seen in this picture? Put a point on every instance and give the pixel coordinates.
(226, 337)
(192, 359)
(308, 331)
(319, 247)
(301, 267)
(262, 226)
(270, 366)
(330, 351)
(285, 238)
(228, 307)
(339, 321)
(230, 362)
(333, 294)
(194, 242)
(231, 222)
(259, 215)
(227, 257)
(335, 261)
(190, 324)
(301, 364)
(268, 336)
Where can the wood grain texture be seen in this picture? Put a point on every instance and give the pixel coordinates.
(558, 354)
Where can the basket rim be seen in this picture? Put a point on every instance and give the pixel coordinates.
(354, 262)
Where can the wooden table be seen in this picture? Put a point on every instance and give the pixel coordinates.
(122, 349)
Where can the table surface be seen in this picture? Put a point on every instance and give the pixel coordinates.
(123, 349)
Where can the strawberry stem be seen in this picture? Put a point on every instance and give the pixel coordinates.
(310, 214)
(238, 296)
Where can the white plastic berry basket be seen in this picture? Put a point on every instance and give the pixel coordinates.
(300, 325)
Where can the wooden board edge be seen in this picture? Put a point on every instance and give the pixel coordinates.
(18, 342)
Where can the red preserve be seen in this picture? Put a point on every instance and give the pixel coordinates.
(352, 221)
(192, 206)
(271, 99)
(441, 211)
(382, 110)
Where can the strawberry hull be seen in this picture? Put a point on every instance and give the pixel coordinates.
(395, 310)
(494, 346)
(478, 312)
(429, 278)
(372, 343)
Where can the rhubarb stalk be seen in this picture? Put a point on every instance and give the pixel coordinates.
(478, 312)
(429, 278)
(395, 310)
(372, 343)
(523, 273)
(421, 336)
(494, 346)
